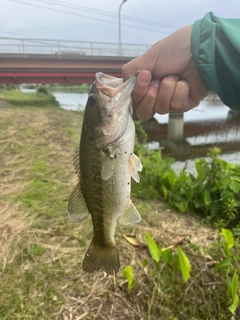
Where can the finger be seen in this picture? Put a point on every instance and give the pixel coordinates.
(145, 109)
(165, 95)
(144, 62)
(195, 99)
(180, 100)
(129, 69)
(141, 86)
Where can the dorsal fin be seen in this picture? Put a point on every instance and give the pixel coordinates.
(77, 208)
(130, 216)
(76, 162)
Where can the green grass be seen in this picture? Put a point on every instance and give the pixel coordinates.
(83, 88)
(42, 251)
(22, 99)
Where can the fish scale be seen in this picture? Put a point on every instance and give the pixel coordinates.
(105, 164)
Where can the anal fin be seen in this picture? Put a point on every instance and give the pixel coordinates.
(130, 216)
(77, 208)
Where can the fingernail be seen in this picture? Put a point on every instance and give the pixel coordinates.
(144, 78)
(155, 83)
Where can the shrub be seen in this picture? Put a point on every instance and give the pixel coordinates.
(214, 192)
(42, 90)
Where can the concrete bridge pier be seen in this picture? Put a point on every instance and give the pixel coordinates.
(175, 142)
(175, 126)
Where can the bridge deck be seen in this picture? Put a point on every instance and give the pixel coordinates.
(60, 61)
(45, 68)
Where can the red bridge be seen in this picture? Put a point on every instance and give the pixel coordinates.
(56, 69)
(58, 61)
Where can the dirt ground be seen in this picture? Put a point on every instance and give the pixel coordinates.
(42, 251)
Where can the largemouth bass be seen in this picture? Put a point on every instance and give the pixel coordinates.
(105, 164)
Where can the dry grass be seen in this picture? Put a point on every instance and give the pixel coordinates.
(14, 230)
(108, 298)
(42, 252)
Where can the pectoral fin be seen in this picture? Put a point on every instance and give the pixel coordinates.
(130, 216)
(77, 208)
(135, 166)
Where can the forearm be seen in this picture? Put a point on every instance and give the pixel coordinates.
(216, 52)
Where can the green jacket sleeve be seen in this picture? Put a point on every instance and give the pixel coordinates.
(216, 52)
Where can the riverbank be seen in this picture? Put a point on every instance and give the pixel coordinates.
(42, 251)
(41, 97)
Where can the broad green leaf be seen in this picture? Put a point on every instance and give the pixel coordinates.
(165, 192)
(235, 298)
(226, 250)
(184, 265)
(153, 248)
(201, 174)
(167, 255)
(129, 276)
(215, 208)
(181, 206)
(207, 199)
(235, 179)
(236, 232)
(228, 236)
(235, 284)
(171, 177)
(225, 182)
(197, 203)
(234, 186)
(222, 264)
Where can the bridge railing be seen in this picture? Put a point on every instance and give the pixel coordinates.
(65, 47)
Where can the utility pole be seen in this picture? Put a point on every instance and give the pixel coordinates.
(119, 28)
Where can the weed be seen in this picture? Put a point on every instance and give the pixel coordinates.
(40, 98)
(41, 251)
(214, 192)
(128, 273)
(165, 271)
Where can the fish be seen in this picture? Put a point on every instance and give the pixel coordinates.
(105, 164)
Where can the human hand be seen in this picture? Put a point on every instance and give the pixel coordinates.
(168, 79)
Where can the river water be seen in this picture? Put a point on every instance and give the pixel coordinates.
(206, 112)
(71, 100)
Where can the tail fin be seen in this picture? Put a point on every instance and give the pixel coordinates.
(101, 258)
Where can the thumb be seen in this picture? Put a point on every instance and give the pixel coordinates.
(132, 68)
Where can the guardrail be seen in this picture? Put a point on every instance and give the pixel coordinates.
(68, 47)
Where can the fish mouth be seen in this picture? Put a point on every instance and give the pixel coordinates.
(116, 101)
(112, 86)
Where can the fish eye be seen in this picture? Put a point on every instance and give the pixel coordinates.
(92, 99)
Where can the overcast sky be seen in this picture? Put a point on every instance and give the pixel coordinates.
(148, 20)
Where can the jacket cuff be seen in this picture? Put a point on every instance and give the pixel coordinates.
(203, 50)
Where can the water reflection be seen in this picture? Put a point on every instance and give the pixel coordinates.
(71, 100)
(206, 111)
(211, 123)
(217, 136)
